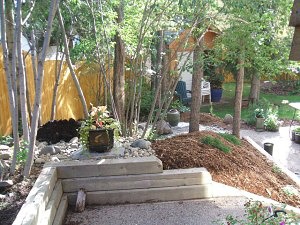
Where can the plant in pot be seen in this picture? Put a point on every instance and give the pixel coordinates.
(296, 134)
(98, 130)
(271, 122)
(259, 119)
(216, 80)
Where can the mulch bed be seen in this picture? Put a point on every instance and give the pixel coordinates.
(244, 167)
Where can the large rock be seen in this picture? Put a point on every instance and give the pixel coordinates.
(5, 156)
(141, 143)
(163, 127)
(6, 184)
(50, 149)
(228, 119)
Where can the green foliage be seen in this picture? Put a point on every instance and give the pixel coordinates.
(271, 122)
(215, 142)
(276, 169)
(6, 140)
(23, 153)
(296, 129)
(83, 131)
(179, 106)
(147, 98)
(255, 110)
(231, 138)
(258, 214)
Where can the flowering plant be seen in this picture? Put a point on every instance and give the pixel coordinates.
(256, 213)
(99, 118)
(259, 113)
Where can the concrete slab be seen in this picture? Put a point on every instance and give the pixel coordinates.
(145, 195)
(108, 167)
(191, 212)
(169, 178)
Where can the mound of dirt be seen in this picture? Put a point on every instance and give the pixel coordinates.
(54, 131)
(244, 167)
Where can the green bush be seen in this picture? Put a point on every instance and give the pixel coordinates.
(179, 106)
(271, 122)
(231, 138)
(215, 142)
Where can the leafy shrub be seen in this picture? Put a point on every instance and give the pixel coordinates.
(231, 138)
(262, 106)
(215, 142)
(256, 213)
(179, 106)
(271, 122)
(23, 153)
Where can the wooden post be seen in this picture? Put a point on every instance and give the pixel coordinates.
(80, 202)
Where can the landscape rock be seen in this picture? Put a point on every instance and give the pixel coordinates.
(52, 150)
(4, 148)
(74, 140)
(2, 197)
(55, 159)
(6, 184)
(228, 119)
(141, 143)
(5, 156)
(40, 161)
(163, 127)
(42, 144)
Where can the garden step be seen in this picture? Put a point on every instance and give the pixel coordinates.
(168, 178)
(145, 195)
(108, 167)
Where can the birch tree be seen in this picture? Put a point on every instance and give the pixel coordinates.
(38, 92)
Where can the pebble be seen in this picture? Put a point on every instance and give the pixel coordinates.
(2, 197)
(40, 161)
(55, 159)
(74, 140)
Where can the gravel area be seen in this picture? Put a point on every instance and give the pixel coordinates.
(192, 212)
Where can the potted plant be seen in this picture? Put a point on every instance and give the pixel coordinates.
(296, 134)
(216, 80)
(271, 122)
(259, 119)
(98, 130)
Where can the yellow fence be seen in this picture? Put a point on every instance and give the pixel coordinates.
(68, 102)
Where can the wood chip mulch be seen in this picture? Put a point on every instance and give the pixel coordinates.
(244, 167)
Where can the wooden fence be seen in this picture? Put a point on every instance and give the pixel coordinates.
(68, 102)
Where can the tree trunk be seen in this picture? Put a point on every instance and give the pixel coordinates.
(67, 53)
(255, 89)
(196, 88)
(22, 80)
(8, 67)
(38, 92)
(238, 97)
(158, 69)
(119, 73)
(58, 73)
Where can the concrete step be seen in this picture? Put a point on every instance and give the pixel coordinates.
(169, 178)
(145, 195)
(107, 167)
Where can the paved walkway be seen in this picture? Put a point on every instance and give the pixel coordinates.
(285, 151)
(192, 212)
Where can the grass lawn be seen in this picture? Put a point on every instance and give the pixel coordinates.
(227, 104)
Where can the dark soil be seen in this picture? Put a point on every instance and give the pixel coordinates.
(16, 195)
(54, 131)
(244, 167)
(281, 87)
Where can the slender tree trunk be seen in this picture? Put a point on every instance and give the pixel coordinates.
(8, 67)
(196, 88)
(58, 73)
(158, 69)
(119, 73)
(67, 53)
(255, 89)
(238, 97)
(22, 80)
(38, 92)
